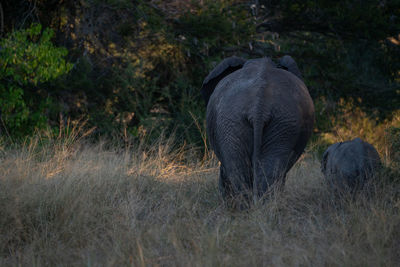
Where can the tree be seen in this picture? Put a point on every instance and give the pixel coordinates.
(28, 59)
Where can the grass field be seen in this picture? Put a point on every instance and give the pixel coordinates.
(67, 203)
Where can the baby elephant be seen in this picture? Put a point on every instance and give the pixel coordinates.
(348, 165)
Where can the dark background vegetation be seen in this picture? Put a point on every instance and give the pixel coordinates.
(134, 68)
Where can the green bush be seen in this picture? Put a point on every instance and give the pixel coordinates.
(27, 60)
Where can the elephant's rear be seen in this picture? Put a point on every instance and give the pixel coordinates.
(259, 120)
(231, 138)
(283, 136)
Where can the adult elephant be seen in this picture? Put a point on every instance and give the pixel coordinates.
(259, 119)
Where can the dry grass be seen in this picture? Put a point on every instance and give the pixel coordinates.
(88, 205)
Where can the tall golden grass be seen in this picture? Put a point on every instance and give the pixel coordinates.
(65, 203)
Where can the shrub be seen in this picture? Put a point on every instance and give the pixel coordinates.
(28, 59)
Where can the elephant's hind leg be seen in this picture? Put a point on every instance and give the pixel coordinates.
(271, 173)
(234, 192)
(233, 147)
(275, 160)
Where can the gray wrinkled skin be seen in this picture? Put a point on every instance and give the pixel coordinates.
(348, 165)
(259, 119)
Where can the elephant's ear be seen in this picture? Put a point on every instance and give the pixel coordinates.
(226, 67)
(288, 63)
(324, 160)
(329, 150)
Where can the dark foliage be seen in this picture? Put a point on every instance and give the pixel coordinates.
(138, 65)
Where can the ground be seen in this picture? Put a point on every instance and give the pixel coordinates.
(71, 203)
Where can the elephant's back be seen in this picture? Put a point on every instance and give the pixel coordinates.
(235, 94)
(289, 90)
(345, 159)
(265, 84)
(353, 157)
(262, 89)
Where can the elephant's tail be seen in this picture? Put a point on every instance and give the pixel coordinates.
(257, 141)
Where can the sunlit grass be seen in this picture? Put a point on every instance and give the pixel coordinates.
(351, 121)
(72, 203)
